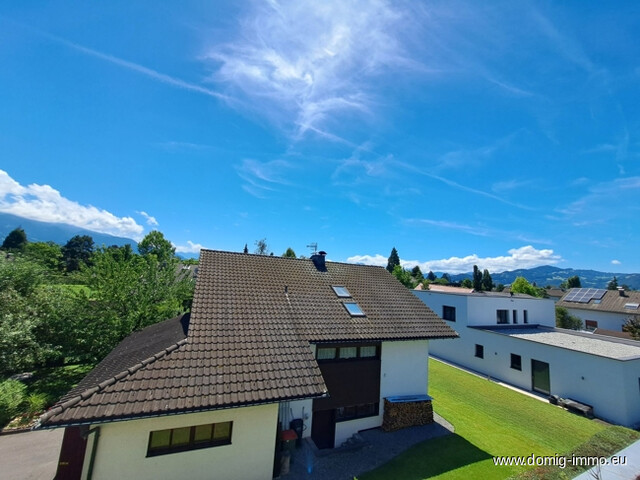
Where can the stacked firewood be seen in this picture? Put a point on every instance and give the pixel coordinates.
(406, 414)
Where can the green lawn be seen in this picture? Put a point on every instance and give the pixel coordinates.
(489, 420)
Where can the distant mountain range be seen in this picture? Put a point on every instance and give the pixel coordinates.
(554, 276)
(59, 233)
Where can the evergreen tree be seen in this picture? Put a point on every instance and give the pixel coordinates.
(16, 240)
(431, 276)
(477, 279)
(417, 273)
(246, 249)
(394, 260)
(613, 284)
(487, 281)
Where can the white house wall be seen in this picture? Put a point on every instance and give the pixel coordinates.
(403, 371)
(610, 386)
(122, 448)
(482, 310)
(607, 320)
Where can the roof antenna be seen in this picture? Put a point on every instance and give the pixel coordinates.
(313, 245)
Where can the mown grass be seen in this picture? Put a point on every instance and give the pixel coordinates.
(489, 420)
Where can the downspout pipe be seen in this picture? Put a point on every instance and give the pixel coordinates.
(94, 448)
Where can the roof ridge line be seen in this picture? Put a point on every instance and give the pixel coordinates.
(57, 409)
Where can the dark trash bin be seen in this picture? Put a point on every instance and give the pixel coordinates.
(297, 425)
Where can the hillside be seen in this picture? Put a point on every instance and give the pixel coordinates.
(548, 275)
(58, 233)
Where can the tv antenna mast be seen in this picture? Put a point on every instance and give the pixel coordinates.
(313, 245)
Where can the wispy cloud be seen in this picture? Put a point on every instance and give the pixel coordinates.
(131, 66)
(150, 220)
(46, 204)
(616, 262)
(477, 230)
(523, 257)
(304, 62)
(263, 177)
(603, 202)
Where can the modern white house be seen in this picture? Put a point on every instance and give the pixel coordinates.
(271, 345)
(512, 338)
(602, 309)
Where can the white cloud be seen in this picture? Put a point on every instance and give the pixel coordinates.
(305, 62)
(523, 257)
(616, 262)
(262, 178)
(45, 204)
(150, 220)
(189, 248)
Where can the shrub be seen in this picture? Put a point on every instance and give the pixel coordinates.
(12, 397)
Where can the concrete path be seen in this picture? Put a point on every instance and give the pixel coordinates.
(30, 455)
(378, 449)
(630, 471)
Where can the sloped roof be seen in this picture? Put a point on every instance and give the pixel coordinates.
(248, 337)
(612, 301)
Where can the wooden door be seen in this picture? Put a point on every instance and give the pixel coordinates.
(323, 429)
(72, 452)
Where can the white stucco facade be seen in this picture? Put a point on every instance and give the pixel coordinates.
(479, 309)
(122, 448)
(582, 366)
(607, 320)
(403, 371)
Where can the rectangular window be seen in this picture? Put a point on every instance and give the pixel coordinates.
(502, 316)
(590, 325)
(353, 309)
(525, 316)
(449, 313)
(515, 316)
(341, 291)
(516, 362)
(356, 411)
(348, 352)
(326, 353)
(479, 351)
(368, 351)
(182, 439)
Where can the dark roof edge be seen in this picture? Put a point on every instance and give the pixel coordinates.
(40, 426)
(385, 339)
(58, 409)
(288, 258)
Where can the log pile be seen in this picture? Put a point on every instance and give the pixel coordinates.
(406, 414)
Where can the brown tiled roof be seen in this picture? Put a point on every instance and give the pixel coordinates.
(611, 302)
(252, 320)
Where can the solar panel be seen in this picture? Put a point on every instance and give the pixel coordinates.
(584, 295)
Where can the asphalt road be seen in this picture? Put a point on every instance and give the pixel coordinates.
(30, 455)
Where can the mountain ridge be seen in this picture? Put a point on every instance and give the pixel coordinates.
(549, 275)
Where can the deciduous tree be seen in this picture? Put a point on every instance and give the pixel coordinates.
(77, 252)
(154, 243)
(289, 253)
(632, 326)
(565, 320)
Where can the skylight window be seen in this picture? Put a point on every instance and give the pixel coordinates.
(631, 306)
(341, 291)
(354, 309)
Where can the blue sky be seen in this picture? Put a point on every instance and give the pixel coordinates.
(503, 134)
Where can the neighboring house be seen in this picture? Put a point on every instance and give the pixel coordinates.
(603, 309)
(512, 338)
(268, 340)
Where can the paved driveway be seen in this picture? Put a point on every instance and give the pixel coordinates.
(30, 455)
